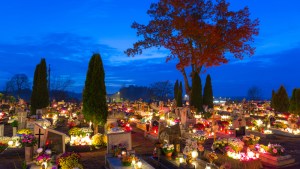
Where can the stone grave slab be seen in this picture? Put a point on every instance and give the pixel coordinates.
(119, 138)
(56, 141)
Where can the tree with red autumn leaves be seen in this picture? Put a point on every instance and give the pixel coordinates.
(198, 33)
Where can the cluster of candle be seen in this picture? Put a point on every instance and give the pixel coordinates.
(250, 155)
(79, 140)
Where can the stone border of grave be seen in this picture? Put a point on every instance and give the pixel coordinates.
(283, 133)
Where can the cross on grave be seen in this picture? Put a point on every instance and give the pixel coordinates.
(39, 140)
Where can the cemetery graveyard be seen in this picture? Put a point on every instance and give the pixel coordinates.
(159, 84)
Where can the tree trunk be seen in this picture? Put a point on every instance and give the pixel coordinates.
(95, 128)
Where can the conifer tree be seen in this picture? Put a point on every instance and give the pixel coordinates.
(179, 95)
(176, 91)
(196, 95)
(40, 92)
(281, 100)
(273, 99)
(94, 95)
(208, 93)
(293, 102)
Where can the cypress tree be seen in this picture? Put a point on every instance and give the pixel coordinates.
(176, 91)
(281, 100)
(179, 96)
(40, 93)
(196, 95)
(43, 85)
(293, 105)
(34, 96)
(208, 93)
(297, 111)
(272, 104)
(94, 95)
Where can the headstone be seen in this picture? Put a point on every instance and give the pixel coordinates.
(39, 113)
(183, 116)
(55, 141)
(240, 126)
(39, 132)
(22, 115)
(119, 138)
(1, 129)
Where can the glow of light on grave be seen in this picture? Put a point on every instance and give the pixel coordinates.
(181, 160)
(293, 131)
(10, 143)
(133, 162)
(225, 117)
(250, 155)
(268, 132)
(198, 116)
(207, 166)
(90, 124)
(194, 154)
(44, 165)
(162, 118)
(139, 164)
(259, 122)
(123, 153)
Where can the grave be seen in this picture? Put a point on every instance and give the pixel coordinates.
(22, 116)
(119, 138)
(55, 141)
(39, 133)
(170, 134)
(276, 161)
(239, 125)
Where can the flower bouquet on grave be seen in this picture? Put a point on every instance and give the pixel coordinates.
(275, 149)
(212, 156)
(28, 140)
(236, 144)
(69, 160)
(117, 149)
(24, 131)
(127, 160)
(220, 145)
(168, 149)
(250, 140)
(43, 157)
(199, 137)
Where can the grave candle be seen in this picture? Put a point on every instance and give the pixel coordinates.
(139, 164)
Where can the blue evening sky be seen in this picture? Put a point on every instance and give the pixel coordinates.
(68, 32)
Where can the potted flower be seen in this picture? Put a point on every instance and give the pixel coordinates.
(168, 149)
(99, 140)
(14, 124)
(24, 131)
(69, 160)
(126, 160)
(28, 141)
(199, 137)
(275, 149)
(43, 158)
(212, 156)
(250, 140)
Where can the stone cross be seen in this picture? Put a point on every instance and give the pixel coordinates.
(39, 135)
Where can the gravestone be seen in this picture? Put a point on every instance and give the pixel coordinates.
(123, 138)
(170, 134)
(22, 116)
(55, 141)
(240, 126)
(39, 132)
